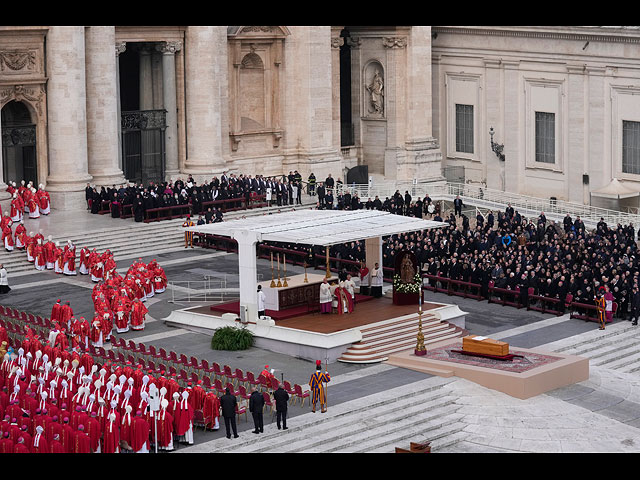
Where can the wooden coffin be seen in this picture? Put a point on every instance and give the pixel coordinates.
(485, 346)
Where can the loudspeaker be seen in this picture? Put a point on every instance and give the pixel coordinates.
(585, 179)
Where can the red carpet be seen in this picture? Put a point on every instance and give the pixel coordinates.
(234, 307)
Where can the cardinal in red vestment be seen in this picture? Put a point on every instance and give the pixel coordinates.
(111, 438)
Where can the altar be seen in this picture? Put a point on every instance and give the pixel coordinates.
(296, 293)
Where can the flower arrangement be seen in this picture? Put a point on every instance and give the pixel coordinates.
(413, 287)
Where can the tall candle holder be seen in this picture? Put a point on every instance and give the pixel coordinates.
(420, 348)
(284, 265)
(273, 283)
(328, 274)
(306, 280)
(279, 284)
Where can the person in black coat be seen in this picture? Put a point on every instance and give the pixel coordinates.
(281, 397)
(635, 305)
(138, 208)
(457, 205)
(228, 404)
(256, 405)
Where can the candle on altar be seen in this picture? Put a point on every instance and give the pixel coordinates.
(271, 260)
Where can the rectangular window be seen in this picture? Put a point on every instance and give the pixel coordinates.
(545, 137)
(630, 147)
(464, 128)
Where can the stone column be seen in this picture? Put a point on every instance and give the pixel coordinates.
(206, 64)
(493, 166)
(120, 48)
(247, 268)
(146, 79)
(168, 50)
(67, 117)
(103, 120)
(373, 252)
(336, 43)
(575, 161)
(511, 134)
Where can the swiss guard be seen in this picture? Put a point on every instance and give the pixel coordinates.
(318, 389)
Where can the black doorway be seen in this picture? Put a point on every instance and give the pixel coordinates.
(19, 161)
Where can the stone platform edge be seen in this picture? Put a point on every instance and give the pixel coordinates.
(570, 369)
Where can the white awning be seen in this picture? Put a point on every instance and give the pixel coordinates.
(615, 189)
(319, 227)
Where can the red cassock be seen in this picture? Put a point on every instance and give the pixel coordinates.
(184, 418)
(138, 313)
(70, 259)
(40, 444)
(68, 437)
(50, 252)
(39, 255)
(111, 439)
(139, 434)
(56, 447)
(7, 235)
(125, 428)
(92, 428)
(6, 446)
(21, 448)
(165, 428)
(81, 443)
(211, 409)
(66, 312)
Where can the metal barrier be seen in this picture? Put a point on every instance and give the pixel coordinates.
(208, 290)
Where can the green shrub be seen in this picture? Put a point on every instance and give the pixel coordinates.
(231, 338)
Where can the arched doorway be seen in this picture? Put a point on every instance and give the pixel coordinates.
(19, 160)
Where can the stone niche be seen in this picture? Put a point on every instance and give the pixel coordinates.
(255, 89)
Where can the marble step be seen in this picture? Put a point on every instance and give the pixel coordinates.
(407, 325)
(618, 356)
(382, 354)
(345, 413)
(404, 334)
(441, 433)
(360, 427)
(592, 340)
(602, 346)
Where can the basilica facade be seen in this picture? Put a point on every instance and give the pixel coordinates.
(108, 104)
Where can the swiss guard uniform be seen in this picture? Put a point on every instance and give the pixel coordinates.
(188, 236)
(316, 382)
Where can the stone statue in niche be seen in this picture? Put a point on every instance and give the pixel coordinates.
(376, 91)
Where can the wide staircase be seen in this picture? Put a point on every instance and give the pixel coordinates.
(381, 339)
(615, 348)
(422, 411)
(127, 239)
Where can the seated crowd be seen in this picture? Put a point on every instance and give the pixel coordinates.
(552, 259)
(284, 190)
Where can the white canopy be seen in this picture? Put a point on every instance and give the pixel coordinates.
(615, 189)
(319, 227)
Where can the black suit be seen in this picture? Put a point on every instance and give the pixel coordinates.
(282, 401)
(256, 404)
(228, 405)
(457, 205)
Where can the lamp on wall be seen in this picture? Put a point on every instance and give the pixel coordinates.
(497, 148)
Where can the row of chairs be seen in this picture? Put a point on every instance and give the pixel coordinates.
(159, 361)
(186, 370)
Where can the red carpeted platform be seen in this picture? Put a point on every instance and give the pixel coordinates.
(234, 307)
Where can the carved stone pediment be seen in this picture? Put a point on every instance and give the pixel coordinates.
(33, 94)
(17, 61)
(394, 42)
